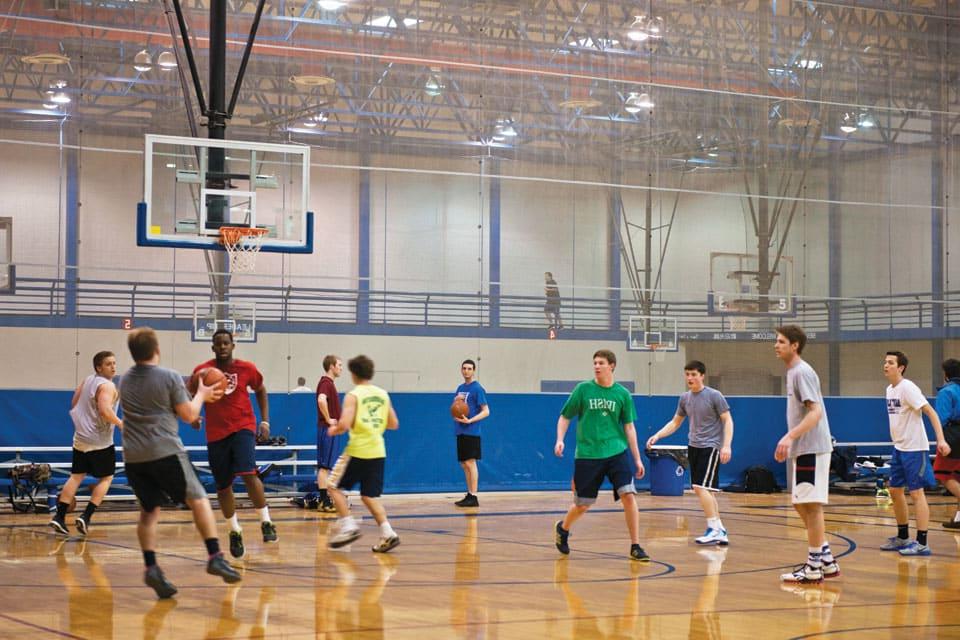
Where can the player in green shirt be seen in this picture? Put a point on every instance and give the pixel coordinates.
(605, 415)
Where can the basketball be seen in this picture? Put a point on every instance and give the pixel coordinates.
(212, 377)
(459, 408)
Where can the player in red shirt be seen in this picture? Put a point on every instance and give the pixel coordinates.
(232, 435)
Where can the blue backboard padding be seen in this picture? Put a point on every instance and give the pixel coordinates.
(188, 242)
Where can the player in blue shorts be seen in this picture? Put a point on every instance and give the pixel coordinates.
(910, 464)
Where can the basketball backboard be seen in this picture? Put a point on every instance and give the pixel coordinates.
(194, 186)
(239, 318)
(739, 286)
(652, 333)
(7, 272)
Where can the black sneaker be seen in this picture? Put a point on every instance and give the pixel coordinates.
(468, 500)
(298, 501)
(560, 538)
(81, 525)
(955, 524)
(269, 532)
(218, 566)
(637, 553)
(236, 544)
(154, 578)
(59, 526)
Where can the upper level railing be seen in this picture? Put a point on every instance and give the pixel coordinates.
(38, 299)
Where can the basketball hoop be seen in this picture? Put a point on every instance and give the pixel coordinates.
(242, 245)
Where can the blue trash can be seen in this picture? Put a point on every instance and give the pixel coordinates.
(667, 471)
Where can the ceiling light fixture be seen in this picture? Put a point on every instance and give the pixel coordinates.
(637, 102)
(504, 128)
(848, 123)
(389, 23)
(60, 97)
(331, 5)
(167, 61)
(809, 64)
(866, 121)
(143, 61)
(434, 85)
(53, 59)
(311, 80)
(645, 27)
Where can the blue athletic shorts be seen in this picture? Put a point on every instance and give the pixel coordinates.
(328, 449)
(235, 455)
(911, 469)
(588, 475)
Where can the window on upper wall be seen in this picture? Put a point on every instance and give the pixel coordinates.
(7, 278)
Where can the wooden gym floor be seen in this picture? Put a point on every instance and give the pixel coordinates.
(488, 573)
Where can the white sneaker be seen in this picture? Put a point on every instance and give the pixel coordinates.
(803, 574)
(714, 536)
(343, 538)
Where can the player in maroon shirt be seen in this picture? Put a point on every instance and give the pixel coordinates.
(232, 434)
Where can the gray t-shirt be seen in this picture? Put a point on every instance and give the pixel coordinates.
(803, 385)
(148, 395)
(704, 409)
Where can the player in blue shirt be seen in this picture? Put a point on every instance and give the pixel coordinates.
(468, 431)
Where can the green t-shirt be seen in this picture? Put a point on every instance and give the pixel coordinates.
(602, 412)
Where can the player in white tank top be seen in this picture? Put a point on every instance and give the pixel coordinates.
(93, 411)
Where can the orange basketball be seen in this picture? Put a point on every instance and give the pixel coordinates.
(212, 377)
(459, 408)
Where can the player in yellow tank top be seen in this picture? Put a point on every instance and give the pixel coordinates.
(369, 423)
(366, 414)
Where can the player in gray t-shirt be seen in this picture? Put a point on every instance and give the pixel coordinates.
(157, 464)
(806, 448)
(710, 440)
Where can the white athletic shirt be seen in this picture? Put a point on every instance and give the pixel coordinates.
(904, 403)
(91, 432)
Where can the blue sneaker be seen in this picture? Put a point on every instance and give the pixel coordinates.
(714, 536)
(915, 549)
(894, 544)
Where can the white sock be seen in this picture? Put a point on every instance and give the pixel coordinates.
(825, 553)
(386, 531)
(715, 523)
(348, 524)
(264, 514)
(234, 523)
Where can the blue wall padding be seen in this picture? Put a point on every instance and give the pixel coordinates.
(518, 437)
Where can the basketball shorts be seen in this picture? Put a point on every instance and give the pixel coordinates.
(348, 472)
(168, 479)
(468, 447)
(910, 469)
(99, 463)
(328, 448)
(704, 467)
(946, 468)
(589, 473)
(235, 455)
(808, 478)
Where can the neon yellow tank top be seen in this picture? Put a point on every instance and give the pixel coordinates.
(366, 433)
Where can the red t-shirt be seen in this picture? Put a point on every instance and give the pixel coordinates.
(327, 387)
(233, 412)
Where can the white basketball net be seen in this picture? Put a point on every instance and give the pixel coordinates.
(242, 245)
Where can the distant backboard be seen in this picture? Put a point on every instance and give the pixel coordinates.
(652, 333)
(240, 318)
(8, 280)
(738, 286)
(194, 186)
